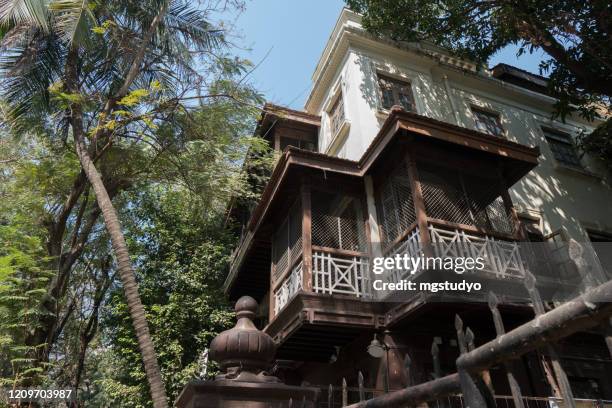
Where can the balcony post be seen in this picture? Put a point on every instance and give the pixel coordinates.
(505, 195)
(419, 205)
(372, 230)
(305, 193)
(272, 300)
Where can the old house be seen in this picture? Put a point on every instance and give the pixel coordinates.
(400, 149)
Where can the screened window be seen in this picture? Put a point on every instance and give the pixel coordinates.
(451, 195)
(337, 221)
(302, 144)
(287, 241)
(395, 205)
(488, 122)
(336, 115)
(395, 92)
(563, 149)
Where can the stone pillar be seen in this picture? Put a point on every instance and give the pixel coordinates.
(244, 354)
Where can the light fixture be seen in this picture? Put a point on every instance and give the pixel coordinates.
(376, 349)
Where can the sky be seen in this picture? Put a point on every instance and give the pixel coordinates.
(286, 37)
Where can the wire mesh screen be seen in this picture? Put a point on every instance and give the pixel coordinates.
(453, 196)
(337, 221)
(287, 241)
(395, 206)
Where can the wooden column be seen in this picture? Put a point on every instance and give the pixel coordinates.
(500, 330)
(271, 300)
(372, 230)
(305, 192)
(560, 375)
(419, 205)
(518, 232)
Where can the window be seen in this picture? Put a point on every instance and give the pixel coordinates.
(337, 221)
(336, 115)
(488, 122)
(302, 144)
(563, 148)
(462, 198)
(287, 241)
(395, 205)
(395, 92)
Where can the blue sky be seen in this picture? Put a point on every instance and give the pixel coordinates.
(286, 37)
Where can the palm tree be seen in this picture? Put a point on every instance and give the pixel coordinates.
(102, 74)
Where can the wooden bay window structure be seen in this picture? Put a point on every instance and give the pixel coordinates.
(434, 185)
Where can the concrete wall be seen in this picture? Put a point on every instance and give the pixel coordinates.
(560, 197)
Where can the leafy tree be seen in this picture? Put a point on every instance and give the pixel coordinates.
(22, 285)
(177, 233)
(574, 34)
(103, 76)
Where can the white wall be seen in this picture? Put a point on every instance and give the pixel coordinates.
(563, 198)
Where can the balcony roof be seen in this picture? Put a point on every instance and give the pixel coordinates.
(271, 114)
(516, 159)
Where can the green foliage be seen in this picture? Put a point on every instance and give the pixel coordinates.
(22, 290)
(182, 256)
(599, 143)
(170, 151)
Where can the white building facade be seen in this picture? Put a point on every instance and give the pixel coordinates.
(568, 192)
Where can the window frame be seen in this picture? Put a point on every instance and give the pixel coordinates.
(476, 110)
(401, 83)
(337, 114)
(555, 136)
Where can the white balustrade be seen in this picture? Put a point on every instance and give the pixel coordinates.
(501, 258)
(290, 286)
(340, 274)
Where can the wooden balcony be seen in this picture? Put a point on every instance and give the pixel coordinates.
(334, 272)
(422, 185)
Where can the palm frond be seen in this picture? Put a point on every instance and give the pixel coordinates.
(29, 12)
(27, 69)
(72, 19)
(193, 26)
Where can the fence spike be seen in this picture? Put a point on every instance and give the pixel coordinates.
(469, 339)
(435, 353)
(330, 396)
(344, 393)
(460, 335)
(458, 323)
(435, 350)
(493, 300)
(407, 365)
(361, 387)
(529, 280)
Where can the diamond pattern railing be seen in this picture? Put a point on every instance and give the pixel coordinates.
(501, 258)
(340, 274)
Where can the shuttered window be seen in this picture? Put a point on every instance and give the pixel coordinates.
(395, 92)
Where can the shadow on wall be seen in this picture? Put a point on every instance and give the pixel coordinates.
(427, 95)
(541, 190)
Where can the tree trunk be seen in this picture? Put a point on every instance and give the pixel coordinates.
(124, 265)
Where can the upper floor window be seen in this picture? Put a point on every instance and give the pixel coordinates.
(488, 122)
(300, 143)
(562, 147)
(336, 115)
(395, 92)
